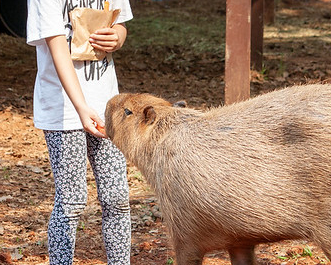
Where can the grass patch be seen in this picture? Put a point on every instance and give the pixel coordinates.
(199, 34)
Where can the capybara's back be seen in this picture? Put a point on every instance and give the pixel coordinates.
(234, 176)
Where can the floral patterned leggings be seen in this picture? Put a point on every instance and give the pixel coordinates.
(67, 152)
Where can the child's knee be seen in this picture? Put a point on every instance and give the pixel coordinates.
(118, 203)
(71, 210)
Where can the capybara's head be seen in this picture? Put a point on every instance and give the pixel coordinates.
(132, 117)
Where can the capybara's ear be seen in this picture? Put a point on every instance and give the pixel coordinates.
(150, 115)
(180, 104)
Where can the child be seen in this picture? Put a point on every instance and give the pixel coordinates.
(69, 100)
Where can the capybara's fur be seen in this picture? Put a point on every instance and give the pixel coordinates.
(234, 176)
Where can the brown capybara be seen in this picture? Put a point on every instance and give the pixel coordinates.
(234, 176)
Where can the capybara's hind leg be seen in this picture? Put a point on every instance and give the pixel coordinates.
(242, 255)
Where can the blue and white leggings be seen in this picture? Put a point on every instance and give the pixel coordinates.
(68, 151)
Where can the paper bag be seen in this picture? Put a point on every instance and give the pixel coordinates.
(86, 21)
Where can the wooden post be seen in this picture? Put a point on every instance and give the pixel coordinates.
(257, 34)
(237, 50)
(269, 12)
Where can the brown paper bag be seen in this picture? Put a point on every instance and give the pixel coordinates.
(86, 21)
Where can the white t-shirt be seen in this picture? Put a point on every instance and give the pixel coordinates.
(52, 108)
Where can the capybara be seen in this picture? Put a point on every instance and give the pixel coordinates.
(233, 176)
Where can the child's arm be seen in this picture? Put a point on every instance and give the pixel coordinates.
(59, 49)
(109, 39)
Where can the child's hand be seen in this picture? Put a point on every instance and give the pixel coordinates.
(92, 123)
(105, 39)
(109, 39)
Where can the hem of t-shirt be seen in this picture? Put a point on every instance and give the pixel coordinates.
(36, 40)
(124, 19)
(52, 127)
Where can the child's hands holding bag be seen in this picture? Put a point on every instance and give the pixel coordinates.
(109, 39)
(98, 23)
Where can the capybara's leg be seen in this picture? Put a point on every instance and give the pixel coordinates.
(327, 252)
(187, 255)
(323, 239)
(242, 256)
(187, 259)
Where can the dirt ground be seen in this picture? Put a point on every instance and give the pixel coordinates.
(297, 50)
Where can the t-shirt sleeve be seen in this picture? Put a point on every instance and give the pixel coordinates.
(45, 19)
(126, 13)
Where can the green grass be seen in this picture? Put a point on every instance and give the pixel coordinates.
(6, 172)
(170, 261)
(170, 29)
(307, 252)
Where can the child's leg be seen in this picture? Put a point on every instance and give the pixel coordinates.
(109, 167)
(67, 152)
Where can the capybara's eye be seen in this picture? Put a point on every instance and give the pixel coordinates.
(127, 112)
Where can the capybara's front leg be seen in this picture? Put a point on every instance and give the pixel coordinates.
(187, 259)
(242, 255)
(187, 255)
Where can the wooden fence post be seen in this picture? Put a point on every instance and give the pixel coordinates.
(269, 12)
(257, 34)
(237, 50)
